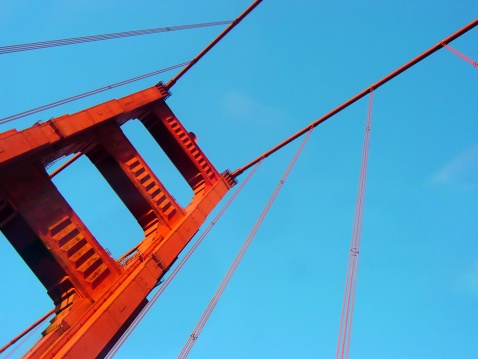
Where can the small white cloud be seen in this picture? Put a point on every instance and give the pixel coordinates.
(468, 282)
(245, 108)
(239, 105)
(461, 171)
(472, 279)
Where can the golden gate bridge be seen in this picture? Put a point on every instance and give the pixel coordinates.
(79, 275)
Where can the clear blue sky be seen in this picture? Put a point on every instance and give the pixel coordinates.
(287, 64)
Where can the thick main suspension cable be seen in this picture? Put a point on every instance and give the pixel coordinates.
(213, 43)
(225, 281)
(116, 35)
(361, 94)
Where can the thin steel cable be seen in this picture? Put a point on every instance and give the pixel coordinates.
(86, 94)
(344, 300)
(345, 328)
(27, 336)
(222, 286)
(461, 55)
(175, 271)
(28, 330)
(214, 42)
(360, 204)
(92, 38)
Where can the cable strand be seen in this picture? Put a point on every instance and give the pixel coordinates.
(461, 55)
(82, 39)
(86, 94)
(348, 305)
(230, 272)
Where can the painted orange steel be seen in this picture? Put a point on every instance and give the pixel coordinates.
(96, 296)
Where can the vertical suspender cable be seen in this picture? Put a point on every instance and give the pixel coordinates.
(360, 204)
(26, 334)
(116, 35)
(459, 54)
(175, 271)
(345, 329)
(86, 94)
(26, 331)
(222, 286)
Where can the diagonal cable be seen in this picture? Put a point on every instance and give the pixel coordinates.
(222, 286)
(86, 94)
(115, 35)
(461, 55)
